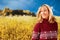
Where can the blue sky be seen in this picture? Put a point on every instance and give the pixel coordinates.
(31, 5)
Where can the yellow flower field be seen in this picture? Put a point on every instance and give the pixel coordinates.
(19, 27)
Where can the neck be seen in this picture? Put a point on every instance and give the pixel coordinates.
(45, 19)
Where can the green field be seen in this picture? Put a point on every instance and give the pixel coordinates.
(19, 27)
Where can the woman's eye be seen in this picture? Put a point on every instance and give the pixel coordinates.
(41, 12)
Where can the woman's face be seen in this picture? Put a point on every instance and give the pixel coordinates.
(44, 12)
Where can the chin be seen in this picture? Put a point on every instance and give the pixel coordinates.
(44, 17)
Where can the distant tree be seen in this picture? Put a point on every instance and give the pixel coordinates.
(33, 14)
(17, 12)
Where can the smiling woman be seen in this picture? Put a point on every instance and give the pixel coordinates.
(46, 28)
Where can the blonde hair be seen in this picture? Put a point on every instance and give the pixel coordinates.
(51, 18)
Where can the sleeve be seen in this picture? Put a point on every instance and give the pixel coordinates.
(56, 25)
(36, 34)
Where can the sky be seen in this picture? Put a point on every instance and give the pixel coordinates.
(31, 5)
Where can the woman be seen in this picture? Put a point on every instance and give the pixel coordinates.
(46, 27)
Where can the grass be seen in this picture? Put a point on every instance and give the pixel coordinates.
(19, 27)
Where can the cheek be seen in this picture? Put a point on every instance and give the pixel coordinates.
(47, 12)
(45, 15)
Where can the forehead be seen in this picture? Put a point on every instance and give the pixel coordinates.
(44, 7)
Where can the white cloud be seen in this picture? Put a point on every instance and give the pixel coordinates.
(54, 10)
(51, 7)
(22, 4)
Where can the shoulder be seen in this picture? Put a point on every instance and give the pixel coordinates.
(37, 27)
(55, 23)
(38, 24)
